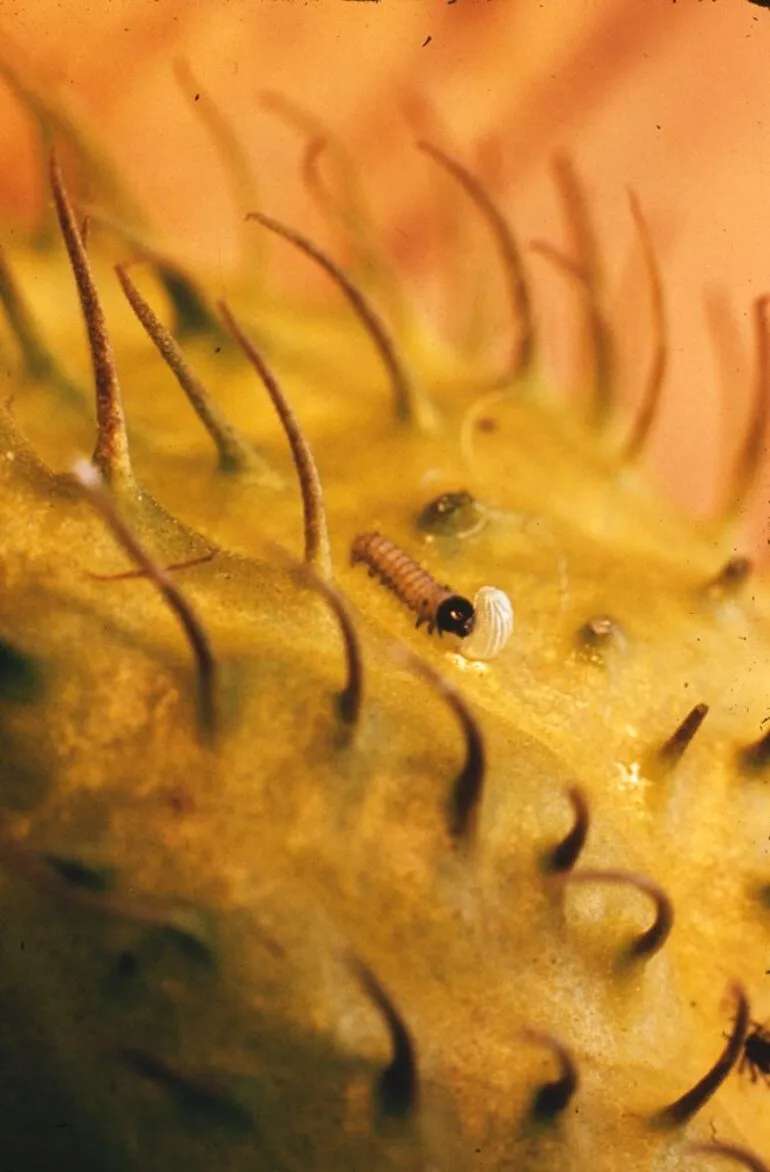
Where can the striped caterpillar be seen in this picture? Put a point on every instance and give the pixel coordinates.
(433, 604)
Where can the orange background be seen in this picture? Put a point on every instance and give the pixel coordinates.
(670, 96)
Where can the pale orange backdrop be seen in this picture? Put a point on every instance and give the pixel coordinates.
(670, 96)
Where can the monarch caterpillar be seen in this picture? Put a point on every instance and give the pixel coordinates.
(433, 604)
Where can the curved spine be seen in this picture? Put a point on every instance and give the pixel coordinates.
(111, 455)
(552, 1098)
(397, 1086)
(688, 1104)
(651, 941)
(235, 452)
(600, 340)
(317, 547)
(38, 359)
(411, 404)
(566, 853)
(673, 749)
(656, 374)
(87, 476)
(467, 791)
(522, 317)
(747, 460)
(732, 1152)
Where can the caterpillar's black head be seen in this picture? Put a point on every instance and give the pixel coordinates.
(457, 615)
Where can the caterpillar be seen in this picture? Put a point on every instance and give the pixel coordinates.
(433, 604)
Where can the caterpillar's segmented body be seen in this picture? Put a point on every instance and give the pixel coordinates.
(436, 605)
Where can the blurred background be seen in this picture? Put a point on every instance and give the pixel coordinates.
(669, 96)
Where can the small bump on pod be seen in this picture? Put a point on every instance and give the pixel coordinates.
(452, 514)
(494, 624)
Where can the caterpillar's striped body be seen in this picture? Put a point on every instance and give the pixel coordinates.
(436, 605)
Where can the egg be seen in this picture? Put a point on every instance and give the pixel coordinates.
(494, 624)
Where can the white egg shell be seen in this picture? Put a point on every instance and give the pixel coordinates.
(494, 624)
